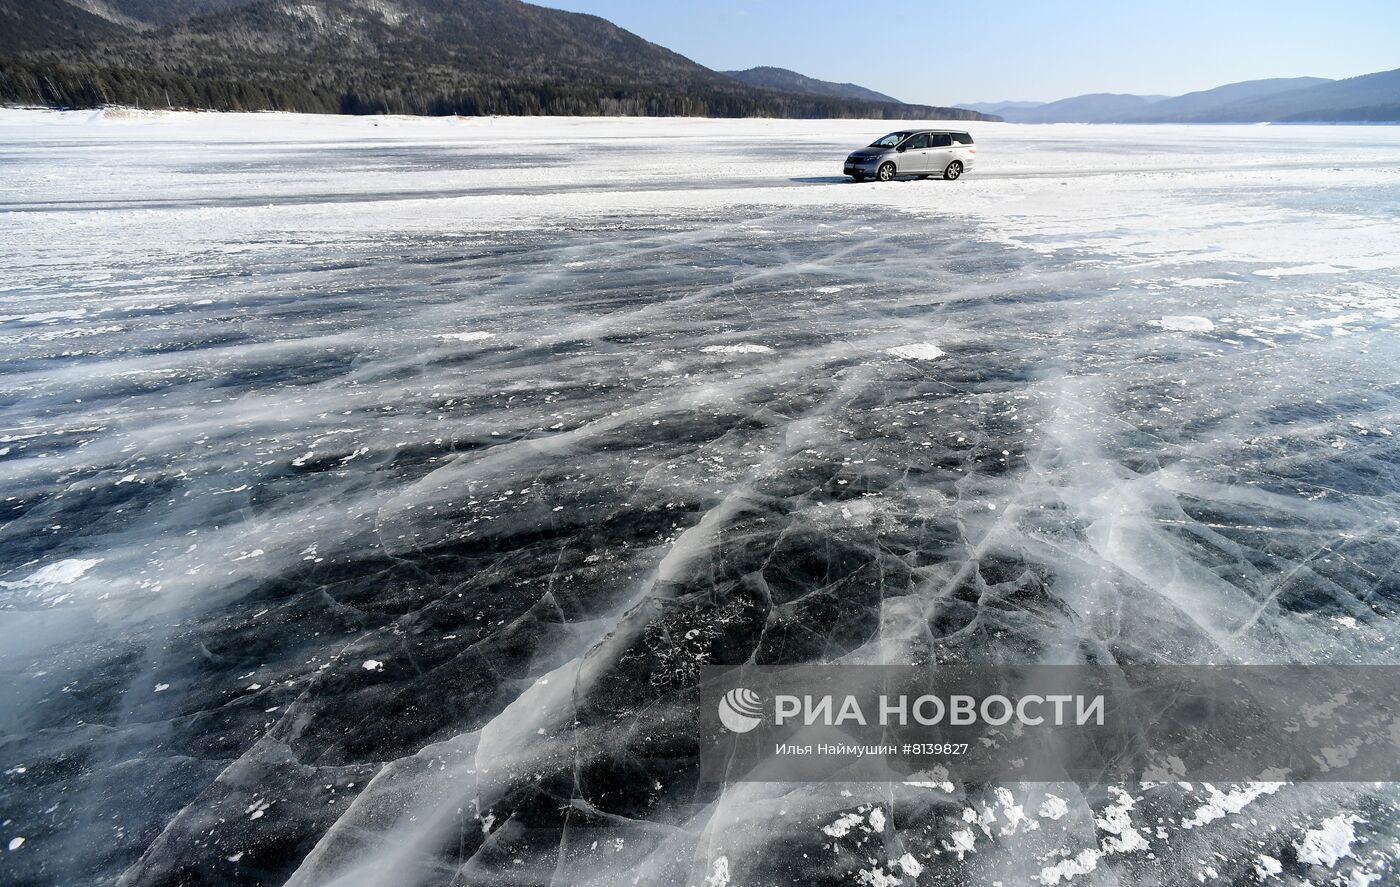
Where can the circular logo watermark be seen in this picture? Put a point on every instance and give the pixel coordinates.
(740, 710)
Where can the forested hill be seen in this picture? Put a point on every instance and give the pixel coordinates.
(379, 56)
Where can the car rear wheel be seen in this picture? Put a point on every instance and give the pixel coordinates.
(953, 171)
(885, 172)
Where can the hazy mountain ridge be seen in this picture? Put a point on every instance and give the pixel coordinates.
(1207, 100)
(1371, 98)
(999, 107)
(1368, 98)
(398, 56)
(1101, 107)
(791, 81)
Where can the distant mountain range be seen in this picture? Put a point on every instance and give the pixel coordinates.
(1208, 101)
(1371, 98)
(380, 56)
(1099, 107)
(998, 107)
(791, 81)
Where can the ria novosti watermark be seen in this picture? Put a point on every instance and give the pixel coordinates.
(1052, 723)
(958, 710)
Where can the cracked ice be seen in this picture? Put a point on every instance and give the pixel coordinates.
(374, 489)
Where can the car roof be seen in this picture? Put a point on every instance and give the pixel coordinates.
(910, 133)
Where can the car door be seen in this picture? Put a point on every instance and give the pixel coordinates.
(939, 153)
(914, 157)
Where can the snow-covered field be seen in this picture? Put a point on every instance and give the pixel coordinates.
(373, 488)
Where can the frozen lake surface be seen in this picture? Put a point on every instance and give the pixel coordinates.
(374, 488)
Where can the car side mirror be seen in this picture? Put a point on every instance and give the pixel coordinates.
(900, 148)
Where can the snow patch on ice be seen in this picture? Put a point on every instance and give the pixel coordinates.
(1329, 842)
(719, 873)
(1267, 867)
(1186, 323)
(859, 513)
(877, 819)
(877, 877)
(917, 351)
(962, 842)
(49, 584)
(1221, 804)
(1295, 270)
(1015, 814)
(1066, 869)
(1123, 837)
(45, 316)
(1203, 281)
(1117, 820)
(477, 336)
(843, 825)
(936, 778)
(910, 866)
(1053, 807)
(63, 572)
(745, 348)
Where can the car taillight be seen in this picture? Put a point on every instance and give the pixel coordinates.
(972, 150)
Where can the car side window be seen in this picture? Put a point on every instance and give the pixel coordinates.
(941, 140)
(918, 141)
(962, 138)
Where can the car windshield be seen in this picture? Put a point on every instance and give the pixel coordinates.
(890, 140)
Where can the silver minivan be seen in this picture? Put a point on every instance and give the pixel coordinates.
(914, 152)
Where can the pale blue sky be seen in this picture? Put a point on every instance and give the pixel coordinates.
(939, 52)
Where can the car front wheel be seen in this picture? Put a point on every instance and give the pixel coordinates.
(885, 172)
(953, 171)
